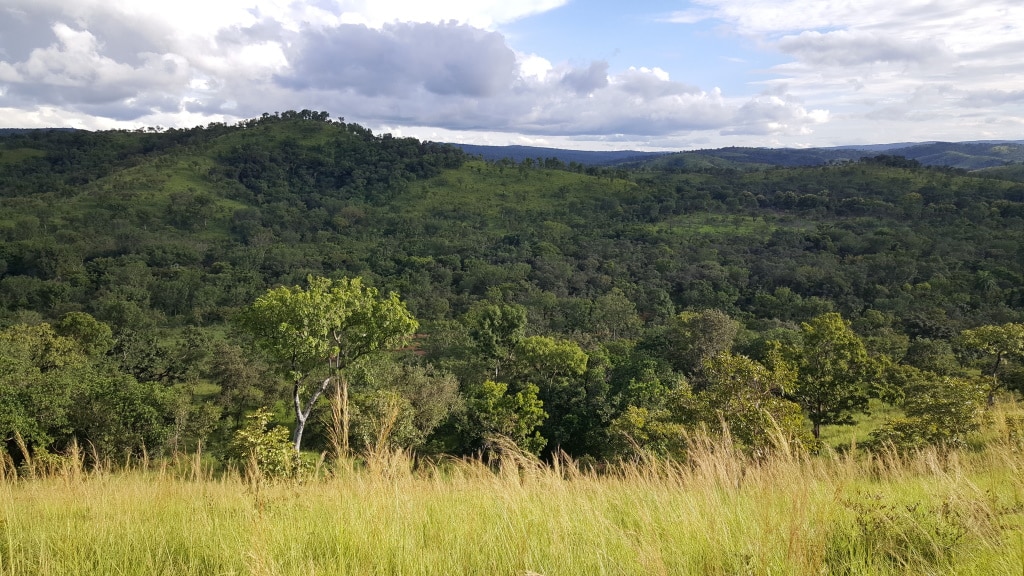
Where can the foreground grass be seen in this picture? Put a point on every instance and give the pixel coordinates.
(960, 513)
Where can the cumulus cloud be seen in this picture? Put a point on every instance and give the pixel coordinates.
(587, 80)
(770, 114)
(441, 65)
(72, 71)
(446, 59)
(917, 64)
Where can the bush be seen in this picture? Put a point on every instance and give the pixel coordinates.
(942, 411)
(265, 452)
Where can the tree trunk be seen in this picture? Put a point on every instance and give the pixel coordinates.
(300, 422)
(302, 414)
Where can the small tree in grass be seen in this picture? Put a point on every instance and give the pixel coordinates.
(994, 345)
(940, 411)
(312, 335)
(265, 451)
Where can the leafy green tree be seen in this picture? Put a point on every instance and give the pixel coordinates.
(400, 404)
(938, 410)
(94, 337)
(245, 383)
(118, 414)
(994, 345)
(747, 396)
(150, 356)
(614, 316)
(693, 337)
(653, 406)
(834, 370)
(556, 368)
(39, 373)
(934, 356)
(51, 392)
(312, 335)
(496, 329)
(491, 410)
(654, 430)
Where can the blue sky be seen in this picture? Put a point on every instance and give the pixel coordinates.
(597, 74)
(703, 53)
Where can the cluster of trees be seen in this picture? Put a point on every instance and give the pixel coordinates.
(593, 311)
(482, 376)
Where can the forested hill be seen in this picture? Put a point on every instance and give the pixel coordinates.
(186, 225)
(165, 235)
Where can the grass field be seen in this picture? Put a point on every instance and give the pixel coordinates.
(720, 513)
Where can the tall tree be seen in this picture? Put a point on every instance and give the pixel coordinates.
(833, 372)
(557, 368)
(312, 335)
(496, 329)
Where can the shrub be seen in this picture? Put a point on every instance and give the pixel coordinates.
(942, 411)
(264, 451)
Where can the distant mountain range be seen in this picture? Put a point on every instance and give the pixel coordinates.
(520, 153)
(966, 155)
(974, 155)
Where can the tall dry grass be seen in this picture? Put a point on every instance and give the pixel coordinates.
(720, 512)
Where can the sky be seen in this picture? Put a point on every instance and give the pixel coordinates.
(581, 74)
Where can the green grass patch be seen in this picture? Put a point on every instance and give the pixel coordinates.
(845, 436)
(15, 155)
(709, 224)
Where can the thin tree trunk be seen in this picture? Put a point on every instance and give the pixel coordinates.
(300, 422)
(302, 415)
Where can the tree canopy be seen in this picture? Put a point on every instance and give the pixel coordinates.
(312, 334)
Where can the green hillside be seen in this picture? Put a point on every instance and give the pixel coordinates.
(564, 305)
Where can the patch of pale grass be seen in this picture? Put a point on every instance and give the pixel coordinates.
(718, 513)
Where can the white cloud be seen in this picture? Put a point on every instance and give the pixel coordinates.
(443, 68)
(586, 81)
(770, 114)
(532, 66)
(919, 63)
(447, 66)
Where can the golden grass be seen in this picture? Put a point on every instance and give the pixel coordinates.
(719, 513)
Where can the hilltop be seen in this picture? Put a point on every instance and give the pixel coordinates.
(276, 198)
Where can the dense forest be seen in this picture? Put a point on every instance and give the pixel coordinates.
(600, 311)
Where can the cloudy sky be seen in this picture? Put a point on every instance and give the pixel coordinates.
(588, 74)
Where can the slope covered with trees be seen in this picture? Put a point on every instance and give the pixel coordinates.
(595, 310)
